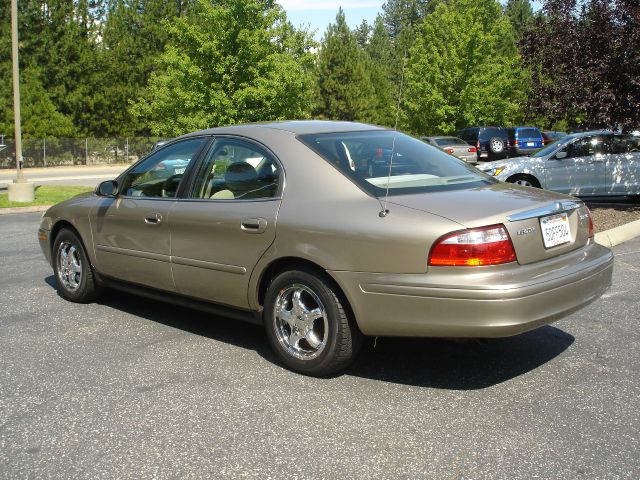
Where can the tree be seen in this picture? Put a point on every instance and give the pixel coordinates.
(39, 115)
(461, 72)
(134, 39)
(344, 84)
(520, 14)
(382, 71)
(228, 62)
(584, 61)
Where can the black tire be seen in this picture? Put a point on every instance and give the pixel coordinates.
(331, 341)
(524, 180)
(75, 279)
(496, 146)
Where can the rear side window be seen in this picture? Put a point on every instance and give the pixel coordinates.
(378, 159)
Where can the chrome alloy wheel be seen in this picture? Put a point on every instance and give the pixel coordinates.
(69, 266)
(300, 322)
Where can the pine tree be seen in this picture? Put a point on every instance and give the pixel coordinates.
(344, 84)
(520, 14)
(382, 71)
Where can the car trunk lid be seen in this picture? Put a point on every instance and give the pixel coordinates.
(530, 215)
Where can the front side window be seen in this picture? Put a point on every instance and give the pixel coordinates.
(159, 175)
(585, 146)
(379, 159)
(234, 169)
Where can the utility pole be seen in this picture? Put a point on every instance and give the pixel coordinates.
(20, 190)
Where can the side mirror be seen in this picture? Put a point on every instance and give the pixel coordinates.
(107, 188)
(561, 155)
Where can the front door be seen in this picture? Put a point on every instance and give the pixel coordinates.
(221, 231)
(131, 231)
(581, 172)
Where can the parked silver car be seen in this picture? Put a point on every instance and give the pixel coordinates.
(581, 164)
(455, 146)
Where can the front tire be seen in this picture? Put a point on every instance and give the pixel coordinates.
(307, 324)
(524, 180)
(74, 276)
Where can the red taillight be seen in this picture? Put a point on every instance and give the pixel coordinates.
(478, 145)
(449, 151)
(473, 150)
(475, 247)
(515, 142)
(591, 229)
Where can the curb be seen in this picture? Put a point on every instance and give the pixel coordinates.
(616, 236)
(34, 208)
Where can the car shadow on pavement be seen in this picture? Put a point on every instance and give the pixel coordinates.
(426, 362)
(465, 364)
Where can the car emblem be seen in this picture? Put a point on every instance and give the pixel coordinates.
(525, 231)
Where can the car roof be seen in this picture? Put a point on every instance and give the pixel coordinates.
(296, 127)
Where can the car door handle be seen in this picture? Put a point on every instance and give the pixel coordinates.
(253, 225)
(154, 219)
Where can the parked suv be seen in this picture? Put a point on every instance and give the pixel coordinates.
(524, 140)
(490, 142)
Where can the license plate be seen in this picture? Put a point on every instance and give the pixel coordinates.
(530, 144)
(555, 230)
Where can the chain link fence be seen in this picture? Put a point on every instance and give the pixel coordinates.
(50, 152)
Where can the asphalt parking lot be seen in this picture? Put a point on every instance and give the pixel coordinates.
(130, 388)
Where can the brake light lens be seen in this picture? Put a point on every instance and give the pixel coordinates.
(478, 145)
(473, 248)
(449, 150)
(473, 150)
(515, 142)
(591, 228)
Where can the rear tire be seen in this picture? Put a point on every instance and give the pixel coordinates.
(75, 279)
(524, 180)
(308, 325)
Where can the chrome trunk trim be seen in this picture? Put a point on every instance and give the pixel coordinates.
(555, 207)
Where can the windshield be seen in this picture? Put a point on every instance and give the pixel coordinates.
(552, 147)
(365, 157)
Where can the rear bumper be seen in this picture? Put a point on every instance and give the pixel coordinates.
(483, 302)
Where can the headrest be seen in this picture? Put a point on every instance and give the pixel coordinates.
(240, 175)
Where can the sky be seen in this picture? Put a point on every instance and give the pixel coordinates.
(319, 14)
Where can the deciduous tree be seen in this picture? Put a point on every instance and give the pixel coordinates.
(463, 70)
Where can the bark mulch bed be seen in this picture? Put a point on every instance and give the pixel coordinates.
(607, 215)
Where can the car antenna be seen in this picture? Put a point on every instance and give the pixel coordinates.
(385, 211)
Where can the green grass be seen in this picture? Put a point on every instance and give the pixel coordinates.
(45, 195)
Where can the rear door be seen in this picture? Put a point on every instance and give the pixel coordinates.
(228, 221)
(582, 171)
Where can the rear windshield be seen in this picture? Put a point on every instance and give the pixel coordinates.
(529, 133)
(489, 132)
(378, 159)
(450, 142)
